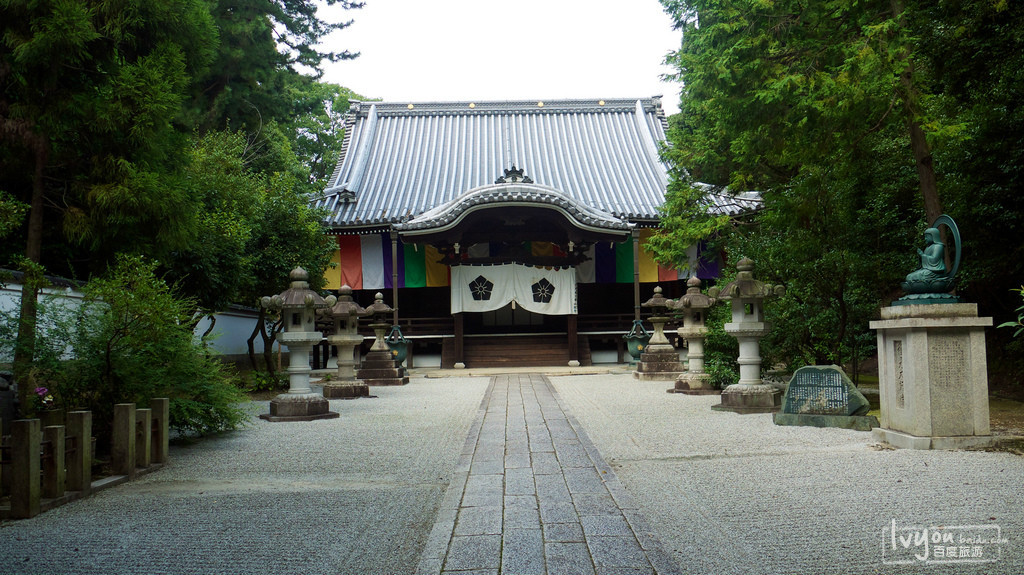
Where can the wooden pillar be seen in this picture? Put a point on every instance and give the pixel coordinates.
(54, 473)
(394, 279)
(122, 456)
(458, 337)
(574, 347)
(79, 431)
(26, 439)
(161, 407)
(636, 273)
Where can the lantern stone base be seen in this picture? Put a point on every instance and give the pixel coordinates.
(658, 363)
(299, 407)
(694, 384)
(345, 389)
(380, 368)
(750, 398)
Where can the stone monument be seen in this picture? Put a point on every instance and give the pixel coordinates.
(932, 371)
(659, 360)
(694, 306)
(823, 396)
(747, 295)
(380, 366)
(298, 305)
(345, 313)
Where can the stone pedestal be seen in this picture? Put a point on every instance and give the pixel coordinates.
(659, 360)
(694, 384)
(379, 366)
(344, 385)
(933, 376)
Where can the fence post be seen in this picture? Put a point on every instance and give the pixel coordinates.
(79, 431)
(143, 437)
(54, 477)
(161, 407)
(122, 455)
(25, 442)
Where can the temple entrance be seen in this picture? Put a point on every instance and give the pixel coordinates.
(513, 320)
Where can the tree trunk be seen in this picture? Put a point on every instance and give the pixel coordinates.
(268, 345)
(918, 142)
(25, 348)
(925, 171)
(251, 342)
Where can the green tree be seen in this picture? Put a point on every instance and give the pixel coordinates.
(89, 92)
(266, 47)
(848, 117)
(253, 228)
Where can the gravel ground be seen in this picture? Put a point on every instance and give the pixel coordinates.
(731, 493)
(725, 493)
(357, 494)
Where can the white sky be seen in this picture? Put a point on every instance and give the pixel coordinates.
(466, 50)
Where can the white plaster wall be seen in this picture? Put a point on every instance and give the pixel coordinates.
(230, 333)
(10, 304)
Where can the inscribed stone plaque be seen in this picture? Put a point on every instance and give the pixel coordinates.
(823, 390)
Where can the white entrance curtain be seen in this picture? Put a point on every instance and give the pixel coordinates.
(538, 290)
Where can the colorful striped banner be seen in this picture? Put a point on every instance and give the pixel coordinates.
(365, 262)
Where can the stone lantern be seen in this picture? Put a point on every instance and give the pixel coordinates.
(346, 313)
(298, 305)
(694, 306)
(380, 366)
(659, 361)
(747, 295)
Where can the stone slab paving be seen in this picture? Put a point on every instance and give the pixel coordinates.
(736, 494)
(532, 496)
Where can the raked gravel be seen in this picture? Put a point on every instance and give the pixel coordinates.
(729, 493)
(352, 495)
(725, 493)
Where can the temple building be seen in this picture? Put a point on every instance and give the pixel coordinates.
(506, 233)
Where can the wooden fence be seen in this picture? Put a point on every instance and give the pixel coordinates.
(45, 467)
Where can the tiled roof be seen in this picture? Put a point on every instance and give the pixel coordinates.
(400, 160)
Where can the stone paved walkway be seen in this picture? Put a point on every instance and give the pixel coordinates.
(531, 495)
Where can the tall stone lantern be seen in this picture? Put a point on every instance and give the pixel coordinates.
(694, 306)
(345, 313)
(747, 295)
(659, 360)
(380, 366)
(298, 305)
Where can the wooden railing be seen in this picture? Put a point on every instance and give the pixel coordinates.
(45, 467)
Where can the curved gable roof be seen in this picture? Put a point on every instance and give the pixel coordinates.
(516, 194)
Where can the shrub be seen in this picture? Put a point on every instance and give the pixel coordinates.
(132, 341)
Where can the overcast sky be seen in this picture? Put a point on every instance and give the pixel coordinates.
(466, 50)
